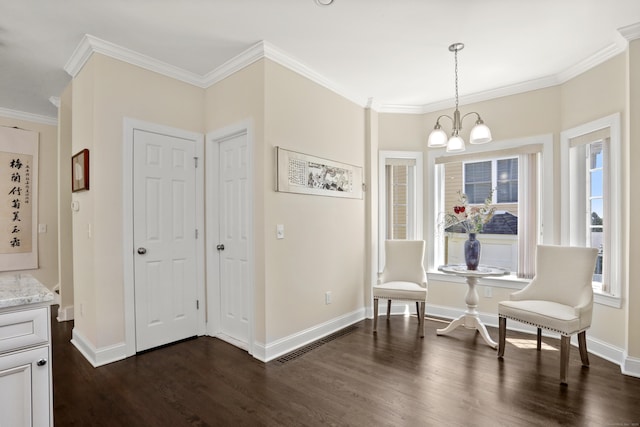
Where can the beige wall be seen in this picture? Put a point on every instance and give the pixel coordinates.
(235, 99)
(597, 93)
(324, 247)
(47, 271)
(104, 93)
(65, 225)
(631, 206)
(594, 94)
(292, 275)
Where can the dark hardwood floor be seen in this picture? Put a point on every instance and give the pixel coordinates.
(356, 379)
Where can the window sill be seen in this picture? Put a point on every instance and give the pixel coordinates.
(608, 300)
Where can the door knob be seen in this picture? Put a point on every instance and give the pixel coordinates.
(41, 362)
(142, 251)
(220, 247)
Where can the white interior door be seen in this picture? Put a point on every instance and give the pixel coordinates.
(164, 236)
(234, 235)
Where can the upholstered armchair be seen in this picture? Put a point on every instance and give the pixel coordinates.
(403, 278)
(559, 298)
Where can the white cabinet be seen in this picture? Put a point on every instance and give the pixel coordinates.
(25, 367)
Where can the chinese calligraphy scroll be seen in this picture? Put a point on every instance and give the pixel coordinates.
(301, 173)
(18, 199)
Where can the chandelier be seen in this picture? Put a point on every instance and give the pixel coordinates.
(480, 133)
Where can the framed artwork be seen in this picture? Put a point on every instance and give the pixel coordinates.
(80, 171)
(305, 174)
(19, 194)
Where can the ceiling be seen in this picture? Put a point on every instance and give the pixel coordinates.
(393, 52)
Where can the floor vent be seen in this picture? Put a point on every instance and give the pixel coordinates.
(312, 346)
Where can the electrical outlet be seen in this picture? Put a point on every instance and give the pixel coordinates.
(327, 297)
(488, 292)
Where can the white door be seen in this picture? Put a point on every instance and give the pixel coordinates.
(164, 236)
(234, 235)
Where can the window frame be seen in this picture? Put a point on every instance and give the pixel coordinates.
(570, 186)
(494, 176)
(435, 199)
(417, 205)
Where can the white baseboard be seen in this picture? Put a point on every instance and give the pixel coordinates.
(631, 366)
(275, 349)
(65, 314)
(101, 356)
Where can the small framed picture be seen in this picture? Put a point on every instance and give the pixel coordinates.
(80, 171)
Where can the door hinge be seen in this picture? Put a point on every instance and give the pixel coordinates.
(197, 304)
(196, 233)
(195, 159)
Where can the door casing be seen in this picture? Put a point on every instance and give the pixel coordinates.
(128, 250)
(213, 221)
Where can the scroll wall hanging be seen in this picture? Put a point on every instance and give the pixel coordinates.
(19, 193)
(305, 174)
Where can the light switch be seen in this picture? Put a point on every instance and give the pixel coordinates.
(280, 231)
(42, 228)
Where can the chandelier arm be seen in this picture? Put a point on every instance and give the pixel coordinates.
(472, 112)
(441, 116)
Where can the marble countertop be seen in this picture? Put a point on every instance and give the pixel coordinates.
(22, 289)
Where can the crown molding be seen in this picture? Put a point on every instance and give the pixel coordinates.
(280, 57)
(630, 32)
(263, 49)
(55, 100)
(90, 44)
(592, 61)
(235, 64)
(472, 98)
(29, 117)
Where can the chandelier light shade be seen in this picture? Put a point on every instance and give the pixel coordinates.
(480, 133)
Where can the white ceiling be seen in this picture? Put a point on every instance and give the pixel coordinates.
(393, 51)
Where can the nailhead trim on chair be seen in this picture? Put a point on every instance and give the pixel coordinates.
(542, 327)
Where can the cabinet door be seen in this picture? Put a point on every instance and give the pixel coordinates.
(24, 388)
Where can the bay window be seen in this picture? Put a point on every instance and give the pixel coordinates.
(521, 174)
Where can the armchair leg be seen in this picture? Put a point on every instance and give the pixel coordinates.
(502, 335)
(388, 309)
(564, 357)
(539, 341)
(418, 310)
(421, 313)
(582, 345)
(375, 315)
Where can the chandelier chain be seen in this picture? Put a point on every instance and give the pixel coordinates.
(455, 54)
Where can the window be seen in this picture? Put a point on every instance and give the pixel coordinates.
(516, 169)
(399, 200)
(500, 243)
(590, 155)
(399, 197)
(595, 204)
(498, 174)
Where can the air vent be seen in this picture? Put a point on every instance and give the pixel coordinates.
(312, 346)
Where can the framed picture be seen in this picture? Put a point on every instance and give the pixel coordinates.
(80, 171)
(305, 174)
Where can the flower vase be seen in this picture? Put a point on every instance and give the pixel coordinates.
(472, 252)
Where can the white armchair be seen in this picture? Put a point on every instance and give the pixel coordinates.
(559, 298)
(403, 278)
